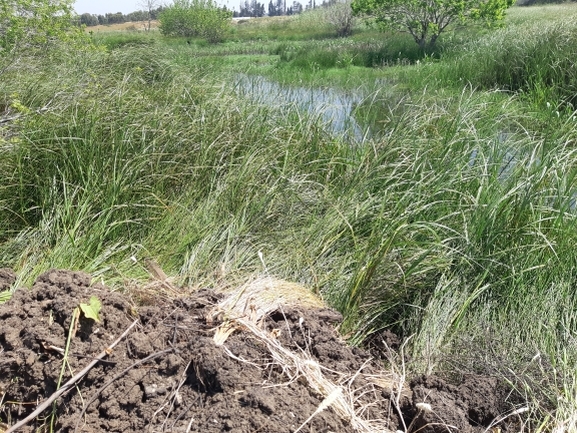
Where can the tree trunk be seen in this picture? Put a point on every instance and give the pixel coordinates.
(433, 41)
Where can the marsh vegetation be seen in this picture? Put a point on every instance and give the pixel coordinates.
(453, 223)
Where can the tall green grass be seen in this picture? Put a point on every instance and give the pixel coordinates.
(306, 26)
(82, 173)
(141, 148)
(342, 53)
(531, 56)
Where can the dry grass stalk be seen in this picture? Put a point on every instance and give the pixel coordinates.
(300, 365)
(249, 305)
(257, 299)
(160, 276)
(326, 403)
(266, 295)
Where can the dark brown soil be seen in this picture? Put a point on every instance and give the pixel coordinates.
(7, 278)
(169, 375)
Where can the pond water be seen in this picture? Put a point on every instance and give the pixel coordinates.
(509, 158)
(335, 108)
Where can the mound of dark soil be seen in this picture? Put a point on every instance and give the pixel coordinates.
(169, 375)
(475, 403)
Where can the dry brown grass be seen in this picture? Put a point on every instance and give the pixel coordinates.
(263, 21)
(264, 295)
(341, 396)
(130, 26)
(257, 299)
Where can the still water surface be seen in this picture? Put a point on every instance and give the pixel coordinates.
(335, 108)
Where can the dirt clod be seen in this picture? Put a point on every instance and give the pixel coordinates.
(468, 407)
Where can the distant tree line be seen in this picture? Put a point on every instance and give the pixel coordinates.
(275, 8)
(252, 8)
(542, 2)
(119, 17)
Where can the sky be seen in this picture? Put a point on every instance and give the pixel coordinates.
(100, 7)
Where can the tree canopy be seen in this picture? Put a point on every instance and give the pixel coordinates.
(32, 23)
(425, 20)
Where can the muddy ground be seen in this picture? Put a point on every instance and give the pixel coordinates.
(169, 375)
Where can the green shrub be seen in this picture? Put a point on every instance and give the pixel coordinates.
(29, 24)
(196, 18)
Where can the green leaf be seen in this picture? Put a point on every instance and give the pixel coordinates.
(4, 296)
(92, 309)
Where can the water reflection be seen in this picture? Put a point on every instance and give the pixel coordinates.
(334, 107)
(508, 159)
(337, 108)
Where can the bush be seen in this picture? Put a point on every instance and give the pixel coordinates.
(339, 16)
(196, 18)
(425, 20)
(30, 24)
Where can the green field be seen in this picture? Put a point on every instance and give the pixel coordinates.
(451, 221)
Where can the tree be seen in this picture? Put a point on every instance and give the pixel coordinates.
(155, 13)
(425, 20)
(244, 9)
(26, 24)
(295, 9)
(195, 18)
(89, 20)
(149, 6)
(138, 16)
(272, 10)
(253, 9)
(257, 9)
(117, 18)
(339, 15)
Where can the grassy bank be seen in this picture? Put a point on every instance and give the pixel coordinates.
(453, 223)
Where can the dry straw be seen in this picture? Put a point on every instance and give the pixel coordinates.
(245, 310)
